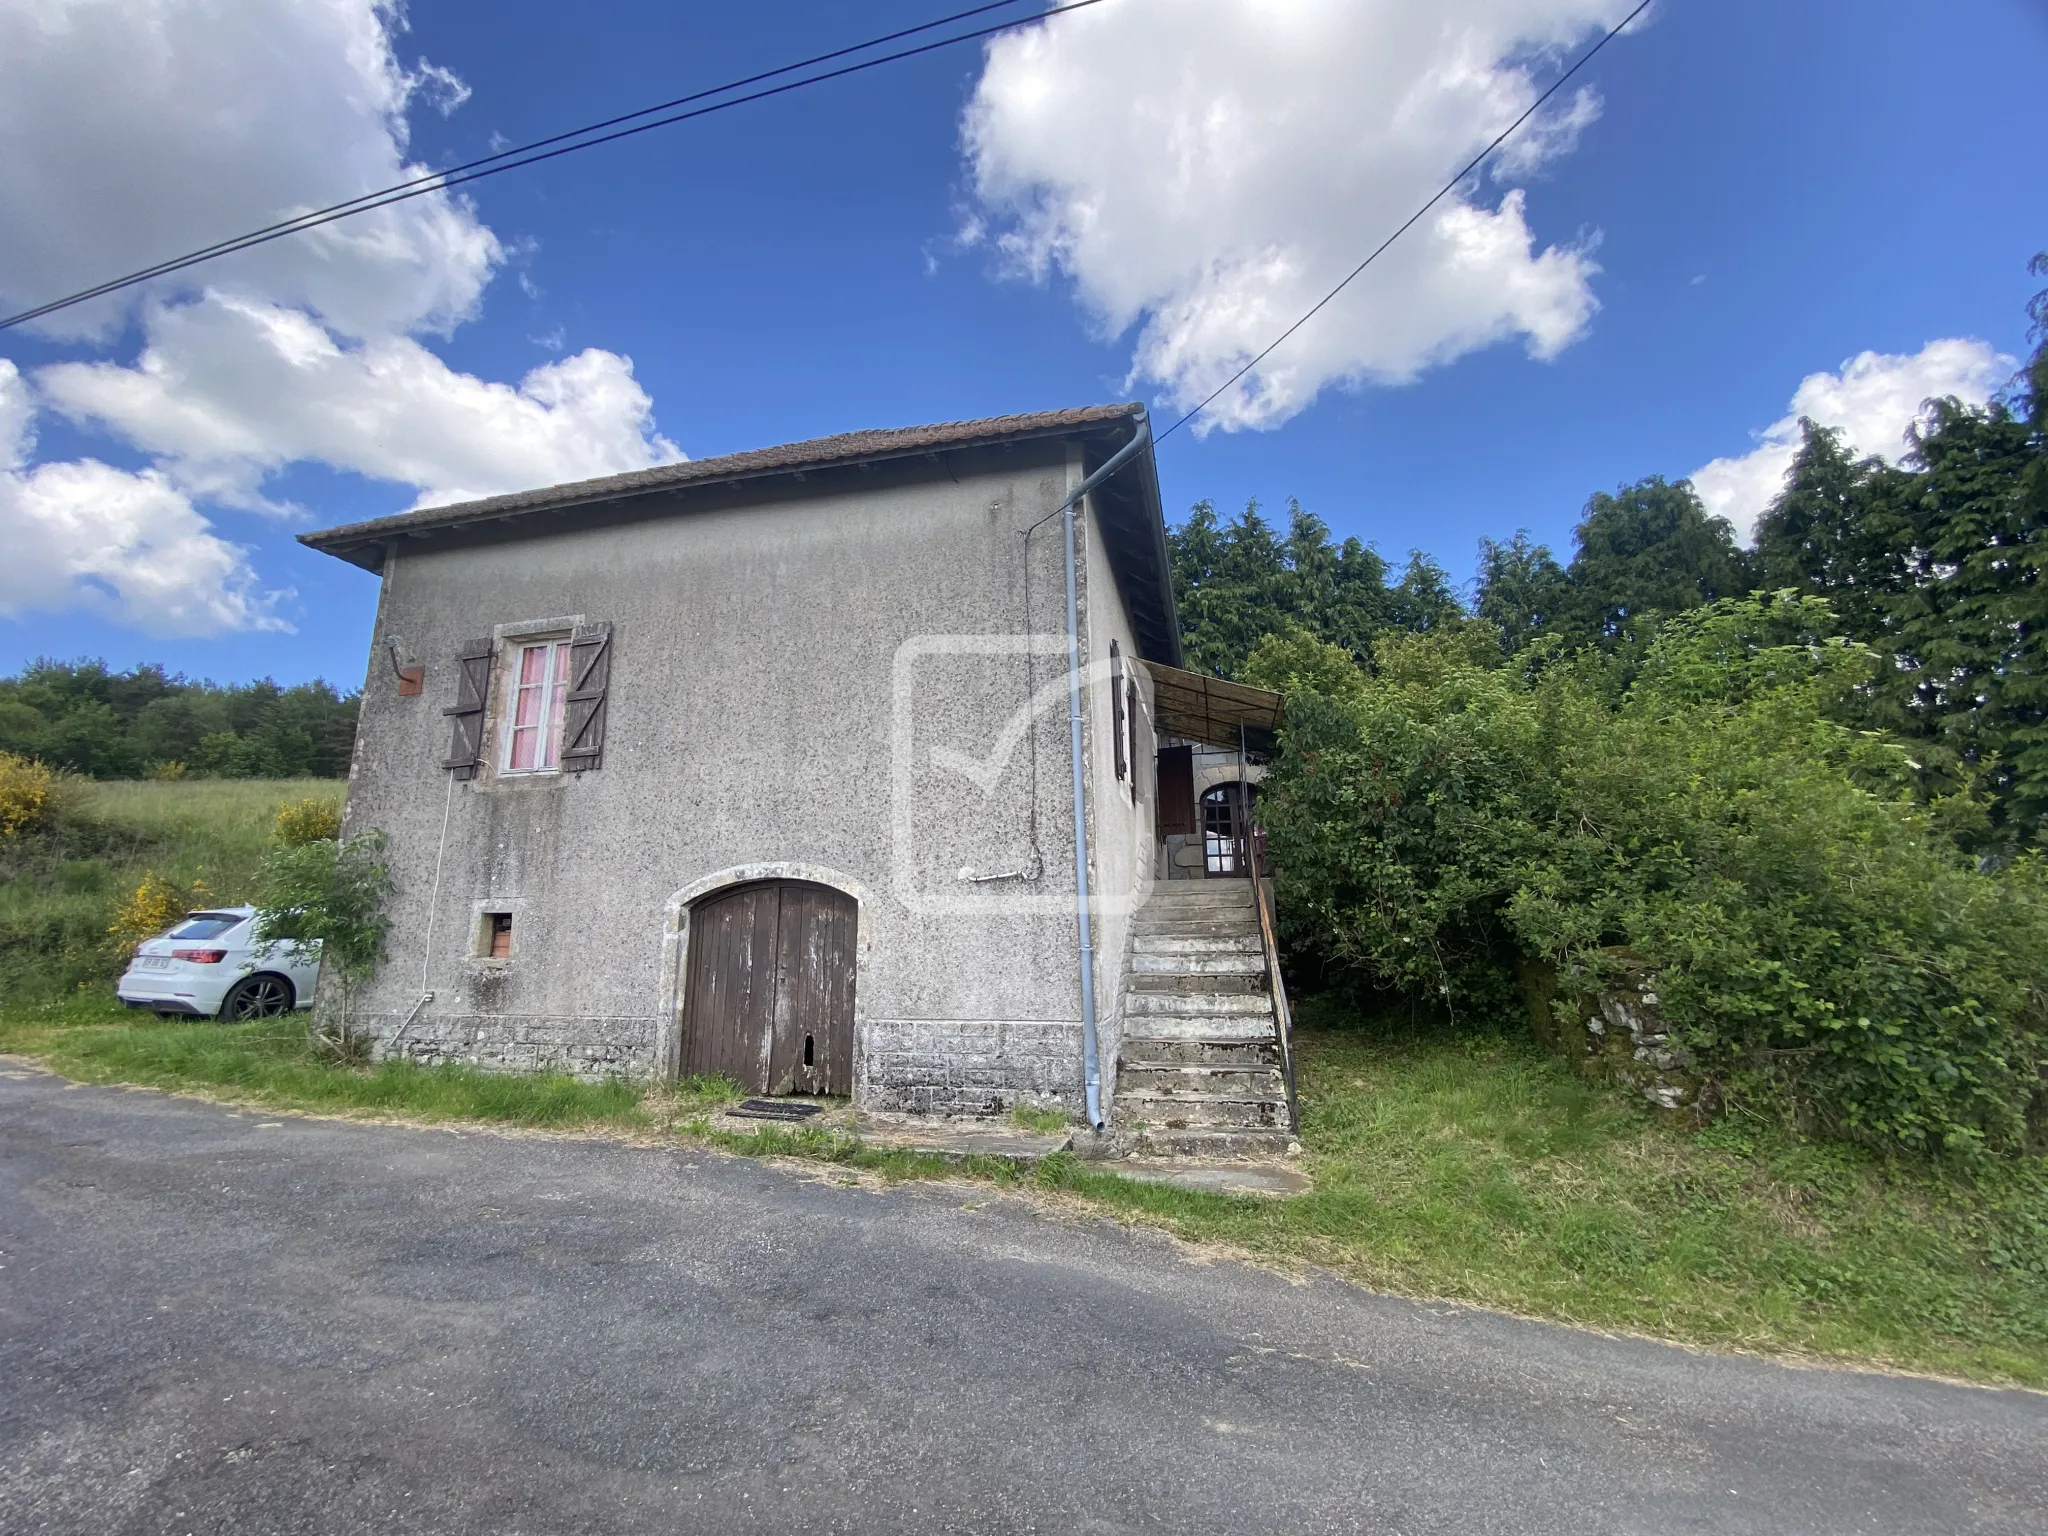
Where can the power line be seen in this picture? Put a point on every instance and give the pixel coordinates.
(434, 179)
(1413, 219)
(557, 144)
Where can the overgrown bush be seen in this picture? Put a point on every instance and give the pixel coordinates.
(1817, 939)
(331, 894)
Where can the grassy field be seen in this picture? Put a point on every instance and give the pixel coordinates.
(61, 887)
(1475, 1171)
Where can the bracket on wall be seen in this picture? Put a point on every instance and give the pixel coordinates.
(412, 681)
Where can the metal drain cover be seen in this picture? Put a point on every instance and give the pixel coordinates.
(775, 1109)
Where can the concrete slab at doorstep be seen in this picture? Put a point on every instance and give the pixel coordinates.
(957, 1138)
(1265, 1179)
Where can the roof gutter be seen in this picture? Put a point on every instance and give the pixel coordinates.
(1091, 1059)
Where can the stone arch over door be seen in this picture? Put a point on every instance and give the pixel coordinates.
(1226, 773)
(676, 959)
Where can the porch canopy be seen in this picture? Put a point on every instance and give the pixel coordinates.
(1213, 712)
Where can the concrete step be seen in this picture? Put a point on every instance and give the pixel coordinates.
(1243, 1055)
(1139, 1110)
(1223, 984)
(1206, 1027)
(1159, 1080)
(1200, 928)
(1202, 1005)
(1229, 963)
(1200, 893)
(1224, 943)
(1206, 1146)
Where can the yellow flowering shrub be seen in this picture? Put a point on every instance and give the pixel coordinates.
(24, 793)
(312, 820)
(156, 904)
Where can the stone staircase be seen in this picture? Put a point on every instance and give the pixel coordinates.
(1198, 1070)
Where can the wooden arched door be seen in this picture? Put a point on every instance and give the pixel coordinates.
(769, 997)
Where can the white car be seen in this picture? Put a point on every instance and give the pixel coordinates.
(211, 965)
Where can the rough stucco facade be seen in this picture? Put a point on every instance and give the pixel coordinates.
(849, 674)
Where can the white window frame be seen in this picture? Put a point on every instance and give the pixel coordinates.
(552, 693)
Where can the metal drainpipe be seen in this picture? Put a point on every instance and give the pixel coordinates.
(1091, 1061)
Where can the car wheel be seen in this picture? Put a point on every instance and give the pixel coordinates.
(258, 997)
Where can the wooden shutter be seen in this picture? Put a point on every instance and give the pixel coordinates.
(1177, 792)
(1131, 724)
(472, 693)
(1116, 707)
(590, 673)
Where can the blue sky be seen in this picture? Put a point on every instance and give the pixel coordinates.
(1775, 189)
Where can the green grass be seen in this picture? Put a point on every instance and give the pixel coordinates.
(1479, 1171)
(273, 1063)
(1484, 1171)
(1044, 1121)
(61, 886)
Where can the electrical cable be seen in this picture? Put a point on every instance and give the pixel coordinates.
(1413, 219)
(539, 150)
(286, 226)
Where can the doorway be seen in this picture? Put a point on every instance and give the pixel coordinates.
(1226, 823)
(769, 997)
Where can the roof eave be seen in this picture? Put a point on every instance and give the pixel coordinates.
(340, 540)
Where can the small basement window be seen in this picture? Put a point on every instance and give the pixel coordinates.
(498, 935)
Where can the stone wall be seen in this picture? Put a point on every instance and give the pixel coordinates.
(1617, 1035)
(979, 1067)
(590, 1048)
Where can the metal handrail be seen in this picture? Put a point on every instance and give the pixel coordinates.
(1255, 865)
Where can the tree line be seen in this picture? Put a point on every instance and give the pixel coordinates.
(118, 725)
(1936, 564)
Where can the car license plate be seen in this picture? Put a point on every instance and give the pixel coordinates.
(153, 963)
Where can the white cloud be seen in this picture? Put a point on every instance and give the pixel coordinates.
(230, 114)
(1205, 170)
(1873, 401)
(135, 130)
(229, 390)
(128, 546)
(17, 418)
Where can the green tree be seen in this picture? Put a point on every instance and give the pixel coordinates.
(1842, 529)
(1648, 551)
(1338, 589)
(170, 729)
(1237, 582)
(89, 738)
(1972, 632)
(1521, 588)
(1423, 600)
(21, 727)
(1232, 585)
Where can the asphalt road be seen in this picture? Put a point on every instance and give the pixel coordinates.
(211, 1321)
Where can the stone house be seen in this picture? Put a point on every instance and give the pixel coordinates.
(769, 765)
